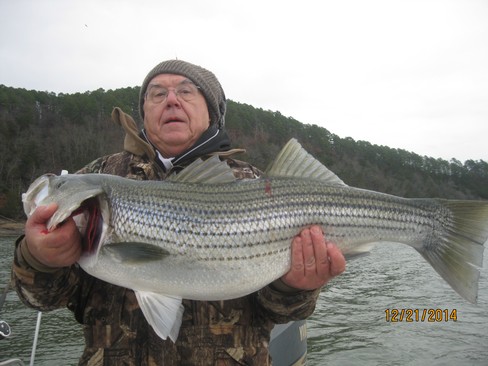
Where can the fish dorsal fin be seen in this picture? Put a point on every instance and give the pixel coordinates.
(294, 161)
(163, 312)
(210, 171)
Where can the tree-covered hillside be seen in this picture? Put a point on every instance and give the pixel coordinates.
(43, 132)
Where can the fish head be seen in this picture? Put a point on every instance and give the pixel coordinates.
(80, 196)
(70, 192)
(38, 191)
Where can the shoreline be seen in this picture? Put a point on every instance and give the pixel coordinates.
(9, 227)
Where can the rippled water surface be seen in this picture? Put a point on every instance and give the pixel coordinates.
(60, 339)
(347, 328)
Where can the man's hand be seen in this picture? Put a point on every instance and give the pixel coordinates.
(314, 262)
(59, 248)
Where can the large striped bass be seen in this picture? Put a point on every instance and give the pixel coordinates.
(204, 235)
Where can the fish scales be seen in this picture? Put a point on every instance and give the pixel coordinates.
(247, 211)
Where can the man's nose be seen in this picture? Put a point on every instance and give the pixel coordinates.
(172, 98)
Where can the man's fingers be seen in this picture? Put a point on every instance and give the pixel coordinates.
(314, 261)
(337, 261)
(320, 252)
(297, 256)
(308, 252)
(42, 214)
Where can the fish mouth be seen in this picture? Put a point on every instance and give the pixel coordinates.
(89, 220)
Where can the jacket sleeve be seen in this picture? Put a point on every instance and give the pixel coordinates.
(282, 306)
(38, 286)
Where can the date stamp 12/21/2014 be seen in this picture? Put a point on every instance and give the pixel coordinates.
(420, 315)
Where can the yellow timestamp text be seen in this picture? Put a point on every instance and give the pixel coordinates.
(420, 315)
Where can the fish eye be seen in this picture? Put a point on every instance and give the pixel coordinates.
(60, 184)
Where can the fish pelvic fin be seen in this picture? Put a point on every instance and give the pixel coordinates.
(294, 161)
(163, 312)
(457, 254)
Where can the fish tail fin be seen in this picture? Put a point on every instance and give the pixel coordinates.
(457, 253)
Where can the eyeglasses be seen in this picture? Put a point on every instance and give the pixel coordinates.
(186, 91)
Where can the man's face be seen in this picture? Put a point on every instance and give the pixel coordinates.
(174, 124)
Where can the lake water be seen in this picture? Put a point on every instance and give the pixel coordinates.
(349, 326)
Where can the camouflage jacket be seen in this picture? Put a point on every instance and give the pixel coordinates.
(231, 332)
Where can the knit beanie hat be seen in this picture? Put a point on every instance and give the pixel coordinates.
(204, 79)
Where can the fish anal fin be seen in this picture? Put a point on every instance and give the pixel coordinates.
(359, 251)
(163, 312)
(355, 255)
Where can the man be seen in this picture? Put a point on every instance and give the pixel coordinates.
(183, 109)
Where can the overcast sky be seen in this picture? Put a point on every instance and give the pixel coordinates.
(406, 74)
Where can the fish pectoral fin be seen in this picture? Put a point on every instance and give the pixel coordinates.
(134, 252)
(294, 161)
(163, 312)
